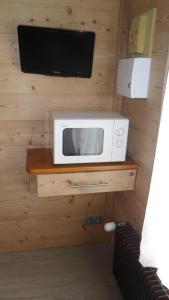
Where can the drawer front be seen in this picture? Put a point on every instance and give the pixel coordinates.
(84, 183)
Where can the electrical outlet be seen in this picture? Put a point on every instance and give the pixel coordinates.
(88, 220)
(93, 220)
(97, 220)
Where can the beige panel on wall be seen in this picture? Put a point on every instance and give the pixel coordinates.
(25, 101)
(144, 115)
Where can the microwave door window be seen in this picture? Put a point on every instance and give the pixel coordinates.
(83, 141)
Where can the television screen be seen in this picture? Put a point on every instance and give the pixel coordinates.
(58, 52)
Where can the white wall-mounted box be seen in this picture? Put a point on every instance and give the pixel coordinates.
(133, 77)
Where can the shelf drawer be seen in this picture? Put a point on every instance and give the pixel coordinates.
(85, 182)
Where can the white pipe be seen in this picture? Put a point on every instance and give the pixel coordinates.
(111, 226)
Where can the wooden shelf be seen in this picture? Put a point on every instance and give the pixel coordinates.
(39, 161)
(74, 179)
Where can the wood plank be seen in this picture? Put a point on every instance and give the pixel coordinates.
(54, 15)
(35, 107)
(20, 215)
(39, 161)
(125, 207)
(100, 83)
(142, 147)
(65, 207)
(22, 133)
(48, 232)
(108, 5)
(122, 40)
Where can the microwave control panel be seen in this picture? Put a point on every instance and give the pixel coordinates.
(120, 135)
(120, 131)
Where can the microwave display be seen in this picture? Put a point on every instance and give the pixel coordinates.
(83, 141)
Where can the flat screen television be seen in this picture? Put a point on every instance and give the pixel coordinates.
(59, 52)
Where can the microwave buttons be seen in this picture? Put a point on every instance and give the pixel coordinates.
(120, 131)
(118, 143)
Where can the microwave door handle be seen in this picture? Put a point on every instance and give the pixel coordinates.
(89, 185)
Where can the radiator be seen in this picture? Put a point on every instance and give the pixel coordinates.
(135, 281)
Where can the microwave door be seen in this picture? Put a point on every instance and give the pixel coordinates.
(83, 141)
(92, 140)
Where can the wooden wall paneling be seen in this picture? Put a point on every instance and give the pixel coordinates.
(124, 207)
(59, 15)
(36, 107)
(142, 148)
(122, 41)
(47, 207)
(144, 117)
(21, 235)
(101, 82)
(107, 5)
(22, 133)
(50, 221)
(113, 209)
(25, 102)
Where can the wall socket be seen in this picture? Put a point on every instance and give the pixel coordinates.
(90, 220)
(97, 220)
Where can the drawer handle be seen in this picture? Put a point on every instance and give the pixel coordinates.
(104, 184)
(89, 185)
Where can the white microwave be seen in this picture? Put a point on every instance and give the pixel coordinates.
(88, 136)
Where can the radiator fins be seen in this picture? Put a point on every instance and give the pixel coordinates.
(135, 281)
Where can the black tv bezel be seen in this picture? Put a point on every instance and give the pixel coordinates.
(63, 74)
